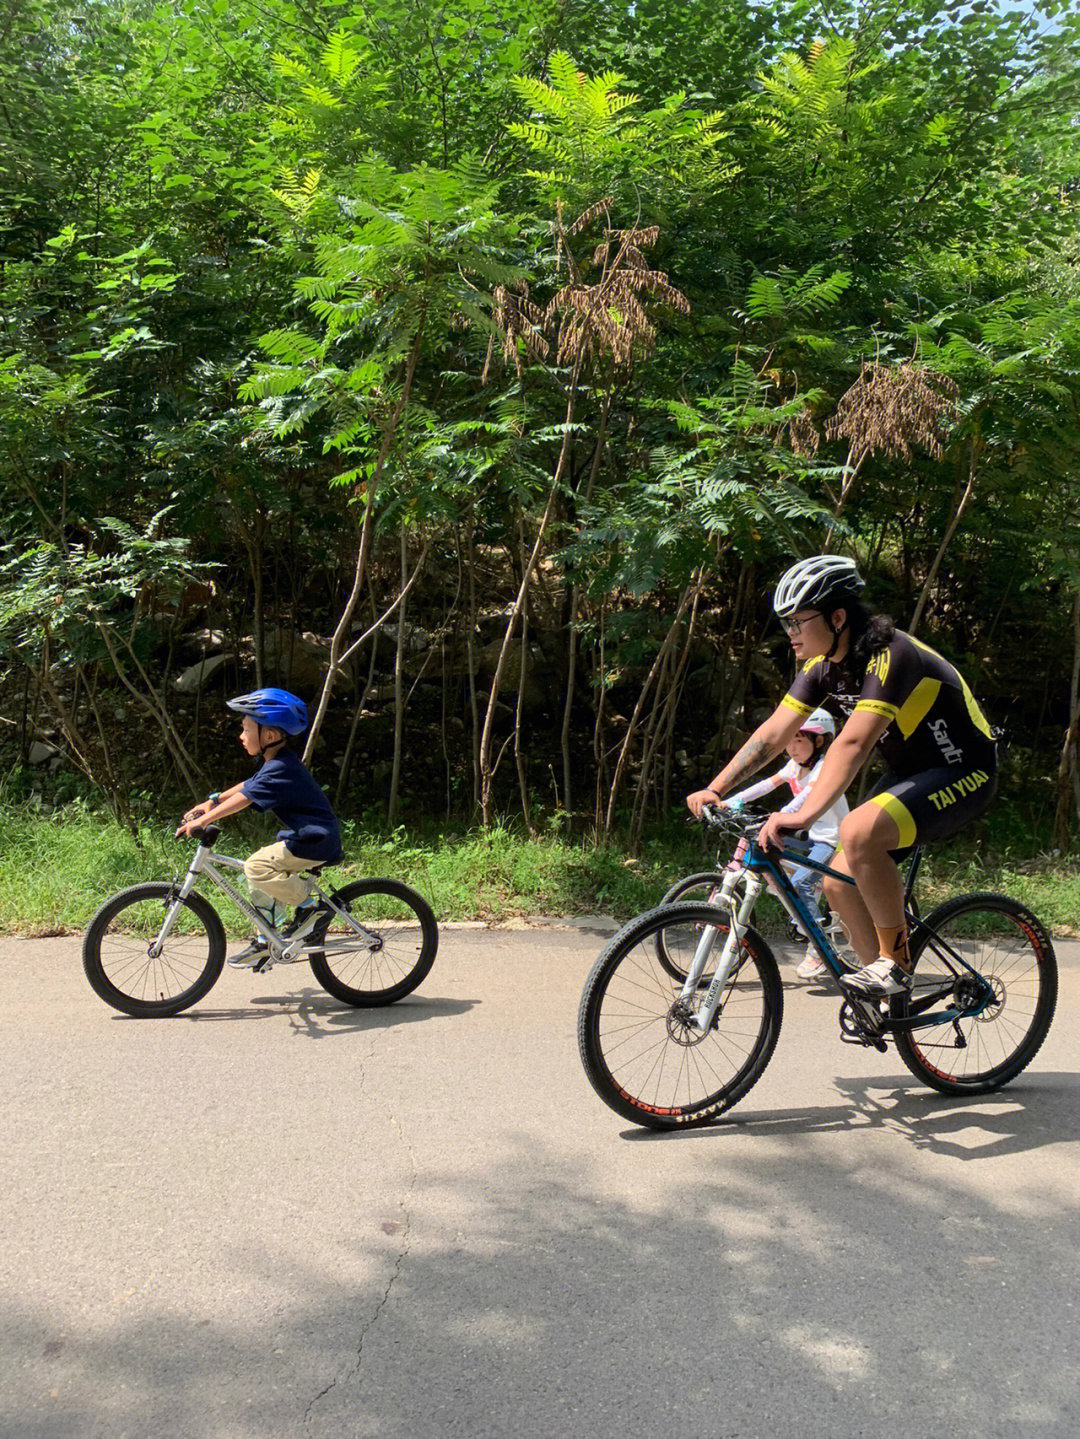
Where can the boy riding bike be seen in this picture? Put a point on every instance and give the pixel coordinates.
(283, 785)
(893, 692)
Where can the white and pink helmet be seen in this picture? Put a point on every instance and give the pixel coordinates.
(819, 721)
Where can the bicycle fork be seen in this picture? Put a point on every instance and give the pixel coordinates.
(179, 896)
(739, 913)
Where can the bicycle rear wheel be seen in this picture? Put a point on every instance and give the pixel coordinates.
(640, 1053)
(399, 950)
(1008, 947)
(124, 972)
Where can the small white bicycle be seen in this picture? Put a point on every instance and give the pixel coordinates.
(157, 948)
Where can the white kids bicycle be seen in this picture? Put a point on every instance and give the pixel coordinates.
(155, 949)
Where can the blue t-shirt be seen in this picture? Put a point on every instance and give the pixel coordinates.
(285, 787)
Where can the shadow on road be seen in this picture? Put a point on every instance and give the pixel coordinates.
(1033, 1111)
(316, 1014)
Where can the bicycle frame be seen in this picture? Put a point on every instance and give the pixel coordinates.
(758, 867)
(207, 862)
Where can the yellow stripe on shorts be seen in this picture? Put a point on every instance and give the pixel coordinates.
(898, 811)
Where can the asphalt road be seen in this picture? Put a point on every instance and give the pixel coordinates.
(272, 1216)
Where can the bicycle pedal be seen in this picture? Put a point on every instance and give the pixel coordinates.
(867, 1041)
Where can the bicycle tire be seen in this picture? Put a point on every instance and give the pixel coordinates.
(706, 881)
(630, 1025)
(408, 934)
(1009, 946)
(124, 974)
(683, 893)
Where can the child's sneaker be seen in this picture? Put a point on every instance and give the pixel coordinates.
(248, 958)
(812, 965)
(303, 920)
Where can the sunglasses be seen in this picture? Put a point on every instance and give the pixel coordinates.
(793, 626)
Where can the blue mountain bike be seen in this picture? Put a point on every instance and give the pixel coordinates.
(681, 1013)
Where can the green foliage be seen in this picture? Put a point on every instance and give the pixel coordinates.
(249, 263)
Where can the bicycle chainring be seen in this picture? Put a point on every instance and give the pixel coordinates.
(857, 1026)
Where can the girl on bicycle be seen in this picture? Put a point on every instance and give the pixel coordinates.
(282, 784)
(806, 755)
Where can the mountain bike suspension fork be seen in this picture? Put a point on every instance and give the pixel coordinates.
(739, 913)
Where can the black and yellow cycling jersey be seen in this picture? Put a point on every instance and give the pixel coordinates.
(934, 720)
(938, 746)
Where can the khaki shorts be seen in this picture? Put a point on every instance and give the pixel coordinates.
(275, 872)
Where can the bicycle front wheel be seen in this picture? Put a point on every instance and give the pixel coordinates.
(130, 969)
(640, 1052)
(1005, 944)
(391, 957)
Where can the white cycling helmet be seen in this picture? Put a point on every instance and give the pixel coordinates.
(818, 722)
(812, 582)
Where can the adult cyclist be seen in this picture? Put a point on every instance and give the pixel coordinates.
(891, 691)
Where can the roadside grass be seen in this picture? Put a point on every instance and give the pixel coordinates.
(59, 866)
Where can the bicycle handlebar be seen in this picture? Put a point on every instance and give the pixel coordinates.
(739, 821)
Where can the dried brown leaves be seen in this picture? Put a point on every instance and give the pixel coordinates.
(602, 320)
(890, 408)
(520, 323)
(803, 434)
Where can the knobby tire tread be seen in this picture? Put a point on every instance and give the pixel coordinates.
(907, 1043)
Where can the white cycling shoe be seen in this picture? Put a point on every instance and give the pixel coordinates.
(879, 980)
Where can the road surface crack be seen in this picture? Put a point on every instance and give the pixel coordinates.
(353, 1372)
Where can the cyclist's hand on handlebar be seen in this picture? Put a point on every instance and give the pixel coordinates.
(697, 801)
(193, 819)
(777, 828)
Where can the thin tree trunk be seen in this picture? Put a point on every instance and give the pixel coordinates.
(665, 719)
(523, 783)
(470, 652)
(598, 746)
(1067, 809)
(487, 775)
(624, 751)
(338, 642)
(188, 768)
(676, 695)
(946, 539)
(575, 601)
(347, 759)
(79, 749)
(399, 680)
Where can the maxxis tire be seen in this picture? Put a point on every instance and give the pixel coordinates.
(636, 946)
(1035, 951)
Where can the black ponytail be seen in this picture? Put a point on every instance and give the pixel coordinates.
(869, 633)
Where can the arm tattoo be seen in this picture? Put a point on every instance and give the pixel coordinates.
(754, 754)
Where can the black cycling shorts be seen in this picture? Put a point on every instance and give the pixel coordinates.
(936, 804)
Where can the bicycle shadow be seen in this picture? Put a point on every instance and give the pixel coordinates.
(1033, 1111)
(315, 1014)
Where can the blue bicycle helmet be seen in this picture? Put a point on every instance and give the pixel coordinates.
(274, 707)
